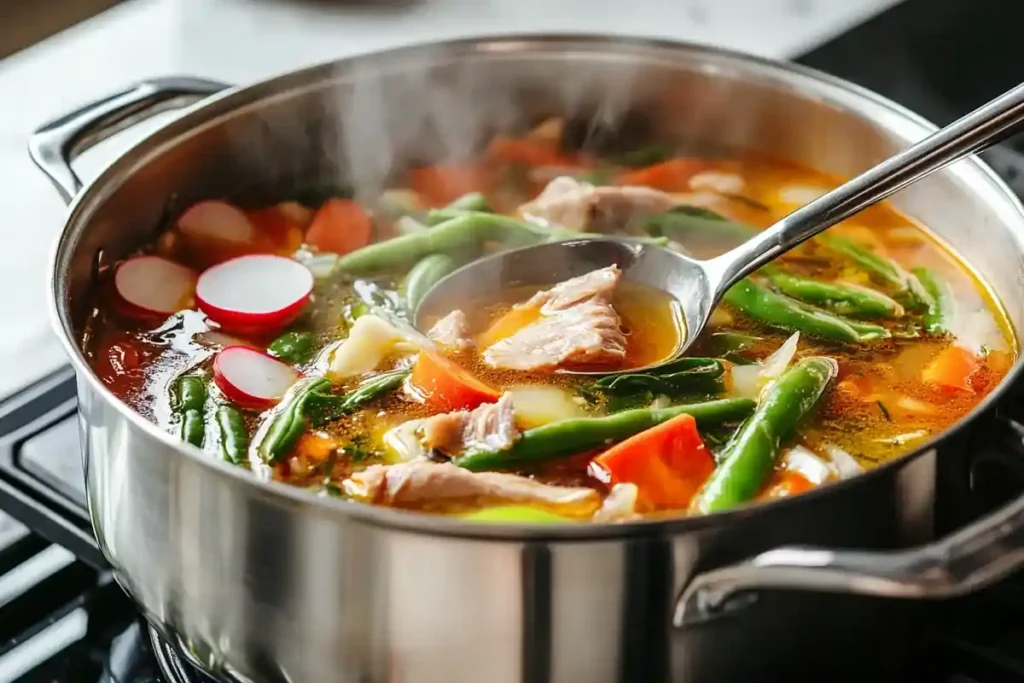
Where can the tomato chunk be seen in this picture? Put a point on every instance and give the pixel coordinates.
(667, 463)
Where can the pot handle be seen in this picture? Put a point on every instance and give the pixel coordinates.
(967, 560)
(56, 144)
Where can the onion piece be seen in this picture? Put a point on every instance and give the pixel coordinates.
(216, 220)
(151, 286)
(774, 365)
(620, 504)
(808, 464)
(844, 464)
(400, 202)
(748, 381)
(254, 293)
(369, 342)
(323, 266)
(404, 441)
(407, 225)
(251, 378)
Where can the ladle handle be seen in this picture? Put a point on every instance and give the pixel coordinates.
(974, 132)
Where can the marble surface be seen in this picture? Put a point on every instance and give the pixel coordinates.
(241, 41)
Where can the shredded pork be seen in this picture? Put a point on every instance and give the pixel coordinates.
(422, 483)
(491, 426)
(577, 325)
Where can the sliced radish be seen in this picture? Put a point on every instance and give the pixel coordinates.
(251, 378)
(150, 286)
(218, 221)
(254, 293)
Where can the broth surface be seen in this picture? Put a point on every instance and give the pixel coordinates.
(896, 341)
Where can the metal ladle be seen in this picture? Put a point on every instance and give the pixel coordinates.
(699, 285)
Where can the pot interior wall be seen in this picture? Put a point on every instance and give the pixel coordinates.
(357, 124)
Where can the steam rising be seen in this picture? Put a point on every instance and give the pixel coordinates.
(443, 111)
(378, 115)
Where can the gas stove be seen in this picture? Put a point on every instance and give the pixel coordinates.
(64, 618)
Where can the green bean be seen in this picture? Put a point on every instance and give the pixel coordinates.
(473, 201)
(845, 299)
(287, 426)
(191, 428)
(189, 393)
(427, 272)
(912, 293)
(292, 347)
(748, 458)
(684, 224)
(316, 402)
(322, 406)
(780, 311)
(731, 345)
(572, 436)
(188, 406)
(466, 231)
(686, 376)
(443, 215)
(942, 308)
(234, 435)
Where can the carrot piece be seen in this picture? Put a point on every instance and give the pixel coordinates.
(444, 386)
(316, 447)
(530, 152)
(275, 226)
(668, 463)
(951, 369)
(671, 176)
(439, 185)
(341, 226)
(785, 484)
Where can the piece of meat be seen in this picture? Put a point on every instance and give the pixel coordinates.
(452, 330)
(564, 201)
(577, 325)
(617, 206)
(491, 426)
(597, 284)
(425, 484)
(589, 332)
(577, 205)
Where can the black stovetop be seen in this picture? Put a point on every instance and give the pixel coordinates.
(63, 619)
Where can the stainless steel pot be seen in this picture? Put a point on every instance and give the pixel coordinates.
(266, 582)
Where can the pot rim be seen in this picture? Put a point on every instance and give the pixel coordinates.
(977, 174)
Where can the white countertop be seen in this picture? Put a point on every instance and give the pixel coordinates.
(240, 41)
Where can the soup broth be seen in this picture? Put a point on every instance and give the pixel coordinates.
(278, 338)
